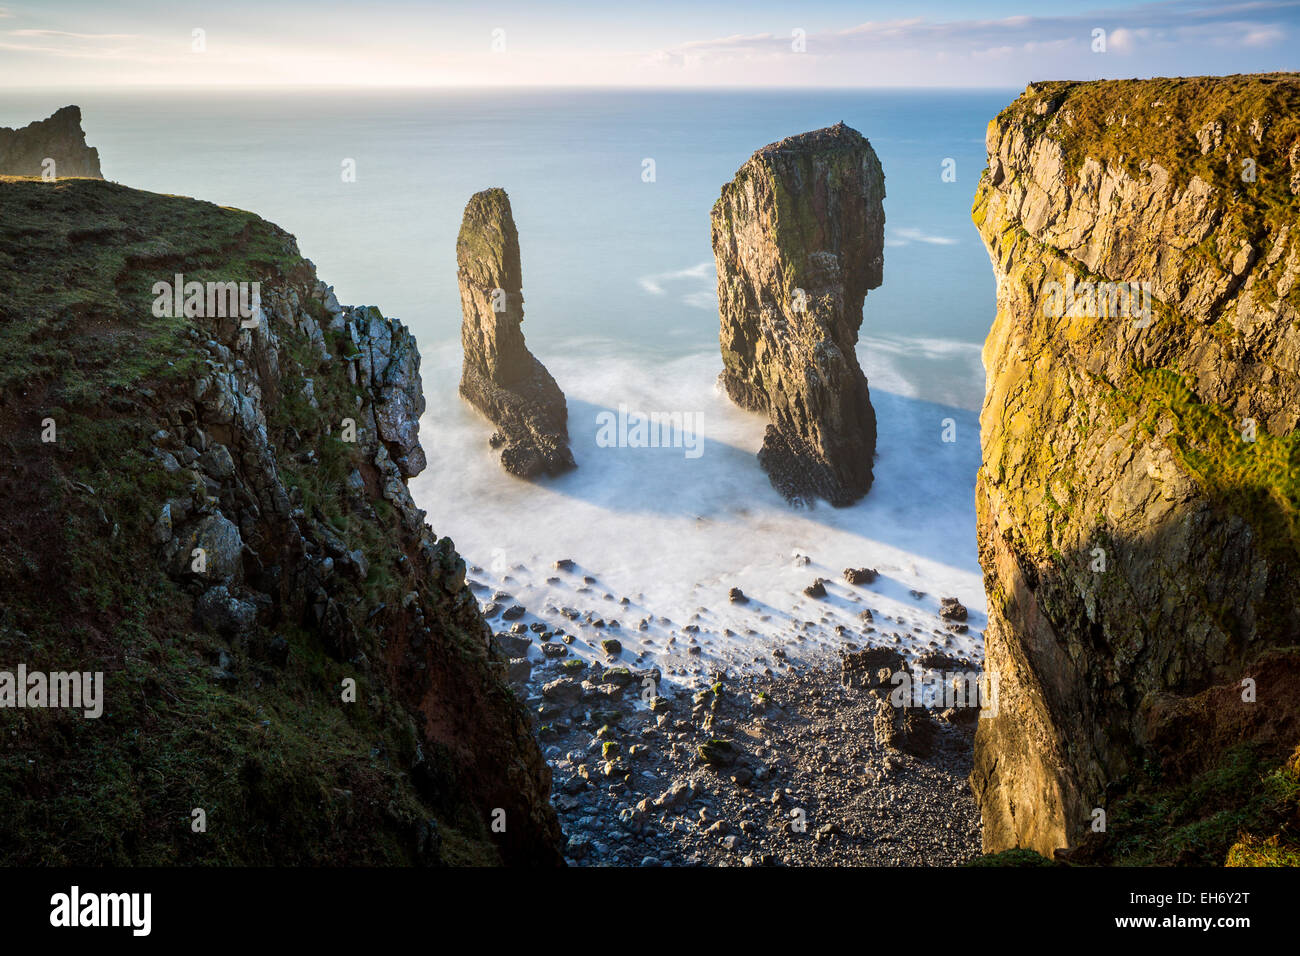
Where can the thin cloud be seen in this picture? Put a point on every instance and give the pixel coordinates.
(75, 36)
(1128, 30)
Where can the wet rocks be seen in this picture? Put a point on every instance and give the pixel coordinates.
(805, 783)
(564, 691)
(798, 237)
(500, 377)
(909, 729)
(512, 645)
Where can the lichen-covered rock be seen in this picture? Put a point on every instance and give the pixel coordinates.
(798, 237)
(28, 151)
(500, 377)
(1138, 500)
(387, 363)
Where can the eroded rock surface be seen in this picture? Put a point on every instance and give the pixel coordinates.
(798, 237)
(1137, 504)
(500, 377)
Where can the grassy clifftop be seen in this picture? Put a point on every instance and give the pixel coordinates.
(1191, 126)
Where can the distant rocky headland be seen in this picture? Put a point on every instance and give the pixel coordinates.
(51, 148)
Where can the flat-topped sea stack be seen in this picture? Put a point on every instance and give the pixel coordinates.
(54, 147)
(501, 378)
(798, 237)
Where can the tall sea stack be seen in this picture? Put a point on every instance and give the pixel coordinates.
(798, 237)
(1139, 500)
(27, 151)
(500, 377)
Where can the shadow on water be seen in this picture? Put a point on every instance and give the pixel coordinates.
(922, 501)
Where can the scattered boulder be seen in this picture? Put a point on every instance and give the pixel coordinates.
(564, 691)
(512, 645)
(950, 609)
(909, 729)
(717, 752)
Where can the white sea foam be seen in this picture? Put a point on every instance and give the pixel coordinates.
(906, 236)
(654, 284)
(673, 534)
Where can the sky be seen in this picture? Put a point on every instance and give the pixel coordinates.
(668, 43)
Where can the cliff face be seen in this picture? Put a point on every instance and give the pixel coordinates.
(221, 525)
(798, 237)
(500, 377)
(1137, 504)
(23, 152)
